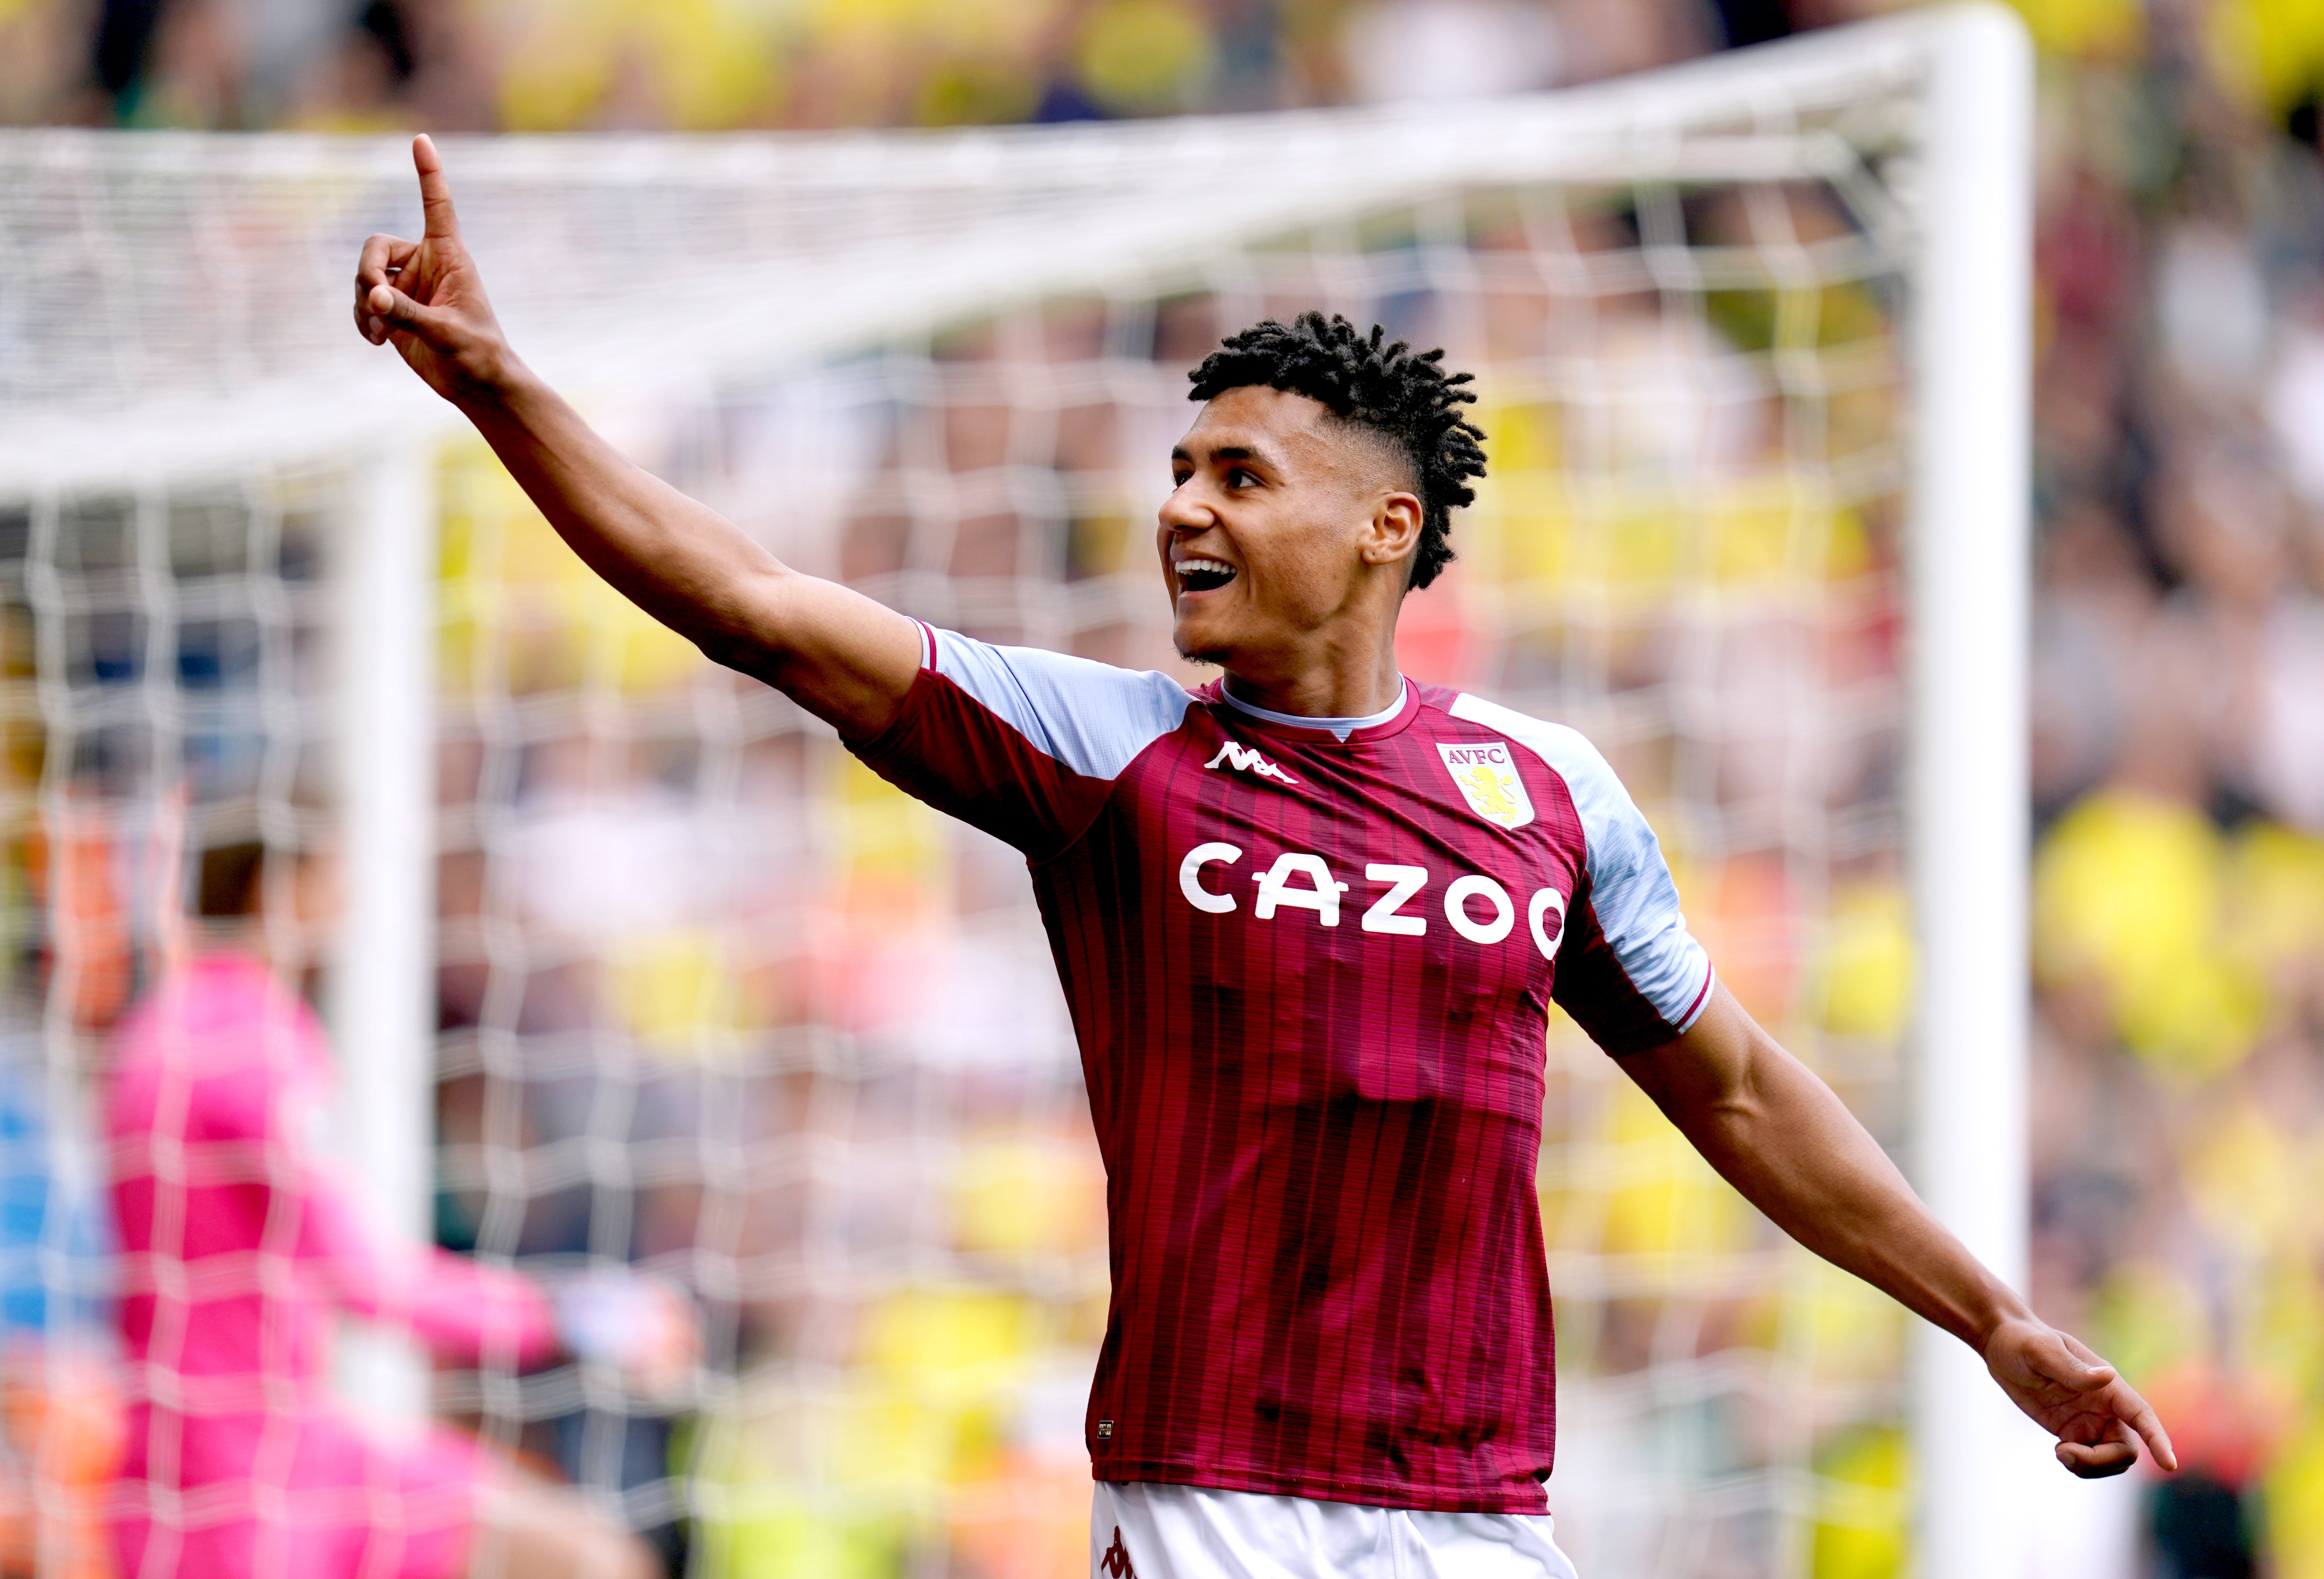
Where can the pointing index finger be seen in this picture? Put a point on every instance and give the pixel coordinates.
(2140, 1416)
(435, 191)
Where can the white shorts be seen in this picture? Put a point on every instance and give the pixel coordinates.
(1140, 1531)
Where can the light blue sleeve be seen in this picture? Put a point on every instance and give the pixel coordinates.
(1631, 892)
(1092, 718)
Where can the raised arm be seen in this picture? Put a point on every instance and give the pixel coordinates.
(842, 657)
(1779, 1135)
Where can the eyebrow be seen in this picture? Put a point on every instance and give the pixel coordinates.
(1232, 451)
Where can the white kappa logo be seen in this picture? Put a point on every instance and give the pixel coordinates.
(1487, 780)
(1244, 760)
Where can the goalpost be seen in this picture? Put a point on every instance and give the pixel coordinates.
(635, 967)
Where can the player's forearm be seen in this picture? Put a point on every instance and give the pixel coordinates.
(1791, 1147)
(1796, 1152)
(836, 653)
(675, 558)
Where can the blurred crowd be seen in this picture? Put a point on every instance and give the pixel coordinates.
(2178, 753)
(560, 65)
(2178, 1104)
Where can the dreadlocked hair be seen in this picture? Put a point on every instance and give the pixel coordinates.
(1407, 399)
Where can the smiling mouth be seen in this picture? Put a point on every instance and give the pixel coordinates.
(1203, 575)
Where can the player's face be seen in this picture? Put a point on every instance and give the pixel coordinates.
(1283, 524)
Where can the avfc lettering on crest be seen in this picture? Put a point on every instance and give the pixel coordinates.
(1487, 779)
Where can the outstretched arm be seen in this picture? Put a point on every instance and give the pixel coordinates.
(839, 655)
(1779, 1135)
(466, 1309)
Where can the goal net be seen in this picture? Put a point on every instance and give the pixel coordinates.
(637, 966)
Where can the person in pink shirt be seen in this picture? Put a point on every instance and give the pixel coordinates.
(239, 1247)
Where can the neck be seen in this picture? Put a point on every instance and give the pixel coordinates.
(1354, 685)
(246, 937)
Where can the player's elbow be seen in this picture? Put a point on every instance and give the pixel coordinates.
(1724, 1107)
(1709, 1097)
(736, 651)
(741, 628)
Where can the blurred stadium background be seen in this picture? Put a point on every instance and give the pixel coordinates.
(709, 995)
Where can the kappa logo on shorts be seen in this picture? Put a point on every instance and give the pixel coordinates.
(1487, 778)
(1116, 1564)
(1246, 760)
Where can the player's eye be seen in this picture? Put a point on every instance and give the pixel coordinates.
(1239, 478)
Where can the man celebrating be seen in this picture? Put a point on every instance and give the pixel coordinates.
(1309, 920)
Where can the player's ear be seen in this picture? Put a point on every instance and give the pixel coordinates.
(1393, 533)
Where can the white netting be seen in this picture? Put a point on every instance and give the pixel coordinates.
(717, 1003)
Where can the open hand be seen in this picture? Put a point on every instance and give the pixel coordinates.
(425, 298)
(2097, 1416)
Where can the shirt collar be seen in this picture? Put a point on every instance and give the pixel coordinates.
(1340, 728)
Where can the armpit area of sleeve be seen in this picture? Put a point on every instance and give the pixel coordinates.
(1645, 1031)
(950, 752)
(873, 749)
(925, 751)
(1622, 1012)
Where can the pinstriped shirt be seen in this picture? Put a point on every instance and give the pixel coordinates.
(1309, 969)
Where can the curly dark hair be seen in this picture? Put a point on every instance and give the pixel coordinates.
(1405, 397)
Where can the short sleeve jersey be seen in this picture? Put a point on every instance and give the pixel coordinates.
(1310, 977)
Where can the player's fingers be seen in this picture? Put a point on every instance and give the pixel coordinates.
(2097, 1461)
(381, 255)
(2135, 1413)
(370, 325)
(399, 311)
(435, 191)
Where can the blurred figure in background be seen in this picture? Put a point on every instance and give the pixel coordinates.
(60, 1409)
(240, 1243)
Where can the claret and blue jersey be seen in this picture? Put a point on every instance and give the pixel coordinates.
(1310, 969)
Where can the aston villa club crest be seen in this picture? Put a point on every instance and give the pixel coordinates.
(1487, 778)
